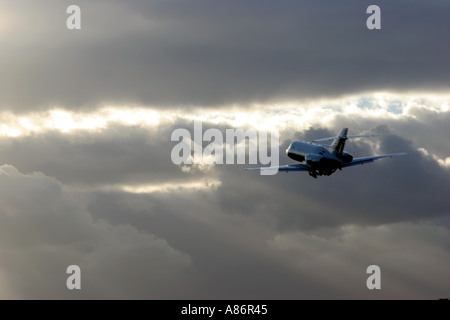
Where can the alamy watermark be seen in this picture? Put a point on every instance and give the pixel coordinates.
(74, 20)
(374, 280)
(220, 150)
(74, 280)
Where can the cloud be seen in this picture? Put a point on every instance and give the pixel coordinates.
(119, 155)
(44, 229)
(86, 123)
(410, 188)
(110, 200)
(137, 157)
(170, 53)
(411, 256)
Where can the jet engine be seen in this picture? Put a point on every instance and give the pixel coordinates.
(313, 159)
(346, 157)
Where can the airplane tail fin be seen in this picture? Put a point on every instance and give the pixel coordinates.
(339, 141)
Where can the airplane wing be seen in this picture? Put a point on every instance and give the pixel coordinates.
(364, 160)
(305, 167)
(294, 167)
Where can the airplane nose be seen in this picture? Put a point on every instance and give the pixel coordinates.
(289, 149)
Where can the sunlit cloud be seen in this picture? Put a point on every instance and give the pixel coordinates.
(302, 115)
(194, 186)
(68, 121)
(8, 131)
(443, 162)
(280, 116)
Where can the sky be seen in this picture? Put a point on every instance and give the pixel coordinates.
(86, 176)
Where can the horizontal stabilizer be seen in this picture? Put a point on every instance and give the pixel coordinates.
(364, 160)
(362, 135)
(347, 137)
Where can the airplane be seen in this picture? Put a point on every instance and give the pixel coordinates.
(320, 159)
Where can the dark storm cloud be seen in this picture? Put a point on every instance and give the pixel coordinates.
(127, 155)
(218, 52)
(117, 155)
(120, 155)
(249, 236)
(255, 237)
(410, 188)
(227, 264)
(306, 218)
(232, 259)
(419, 125)
(45, 228)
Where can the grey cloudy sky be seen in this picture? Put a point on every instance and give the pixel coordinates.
(86, 176)
(206, 52)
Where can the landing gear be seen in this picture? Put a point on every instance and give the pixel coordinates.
(321, 172)
(313, 173)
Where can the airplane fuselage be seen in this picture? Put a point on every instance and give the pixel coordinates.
(321, 159)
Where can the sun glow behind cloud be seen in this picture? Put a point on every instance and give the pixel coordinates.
(69, 121)
(8, 21)
(173, 187)
(299, 115)
(169, 187)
